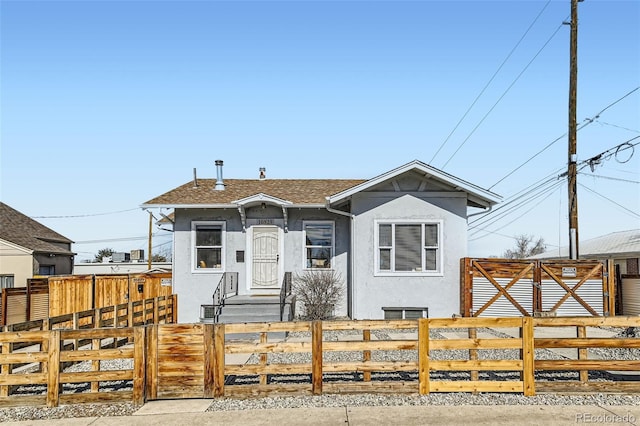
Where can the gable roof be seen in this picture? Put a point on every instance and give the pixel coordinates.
(477, 196)
(622, 243)
(306, 192)
(23, 231)
(301, 192)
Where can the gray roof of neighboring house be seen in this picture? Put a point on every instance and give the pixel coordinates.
(622, 243)
(23, 231)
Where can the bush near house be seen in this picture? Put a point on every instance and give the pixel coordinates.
(320, 293)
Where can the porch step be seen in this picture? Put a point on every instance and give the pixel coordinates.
(241, 309)
(252, 300)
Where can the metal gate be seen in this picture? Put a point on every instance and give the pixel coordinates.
(508, 287)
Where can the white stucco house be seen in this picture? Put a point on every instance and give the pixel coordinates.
(396, 238)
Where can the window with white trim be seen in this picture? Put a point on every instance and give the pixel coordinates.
(319, 242)
(208, 245)
(408, 247)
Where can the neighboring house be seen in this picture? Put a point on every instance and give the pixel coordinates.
(623, 247)
(28, 249)
(396, 239)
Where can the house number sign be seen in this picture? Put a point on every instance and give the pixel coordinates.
(265, 221)
(569, 271)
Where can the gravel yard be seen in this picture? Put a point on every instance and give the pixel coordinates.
(327, 400)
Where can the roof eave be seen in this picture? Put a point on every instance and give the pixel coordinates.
(487, 197)
(222, 206)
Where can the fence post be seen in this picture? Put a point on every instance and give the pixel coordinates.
(139, 365)
(96, 318)
(473, 354)
(366, 355)
(5, 348)
(151, 369)
(218, 360)
(174, 308)
(316, 357)
(423, 356)
(53, 364)
(528, 362)
(130, 314)
(209, 360)
(581, 333)
(156, 315)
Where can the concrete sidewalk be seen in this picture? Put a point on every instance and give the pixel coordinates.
(192, 412)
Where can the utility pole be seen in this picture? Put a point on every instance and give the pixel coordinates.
(572, 171)
(150, 237)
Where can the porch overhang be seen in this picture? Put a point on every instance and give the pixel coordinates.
(262, 199)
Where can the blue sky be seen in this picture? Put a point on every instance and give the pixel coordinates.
(107, 104)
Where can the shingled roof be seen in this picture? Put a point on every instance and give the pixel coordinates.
(21, 230)
(296, 191)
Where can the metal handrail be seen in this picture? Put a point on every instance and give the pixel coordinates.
(285, 291)
(227, 286)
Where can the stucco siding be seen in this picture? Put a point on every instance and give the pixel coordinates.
(16, 262)
(195, 288)
(438, 292)
(295, 249)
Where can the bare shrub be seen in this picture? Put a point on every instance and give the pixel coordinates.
(320, 293)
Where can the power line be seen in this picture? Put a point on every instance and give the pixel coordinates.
(490, 80)
(587, 121)
(111, 240)
(610, 200)
(611, 178)
(548, 191)
(83, 215)
(535, 189)
(618, 127)
(504, 94)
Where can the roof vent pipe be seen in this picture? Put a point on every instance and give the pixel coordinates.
(219, 182)
(263, 174)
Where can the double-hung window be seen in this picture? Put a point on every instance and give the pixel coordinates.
(409, 248)
(319, 244)
(208, 245)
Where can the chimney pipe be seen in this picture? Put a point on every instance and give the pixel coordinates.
(262, 173)
(219, 182)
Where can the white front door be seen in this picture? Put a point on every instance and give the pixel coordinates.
(265, 255)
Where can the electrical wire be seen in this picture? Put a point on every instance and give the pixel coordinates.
(512, 209)
(550, 192)
(112, 240)
(616, 126)
(586, 122)
(610, 178)
(490, 81)
(542, 186)
(83, 215)
(503, 95)
(610, 200)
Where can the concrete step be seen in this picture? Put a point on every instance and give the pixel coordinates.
(252, 300)
(230, 317)
(251, 308)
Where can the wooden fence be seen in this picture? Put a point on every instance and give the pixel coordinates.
(240, 360)
(60, 295)
(522, 287)
(35, 354)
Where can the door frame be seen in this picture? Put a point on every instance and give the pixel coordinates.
(249, 260)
